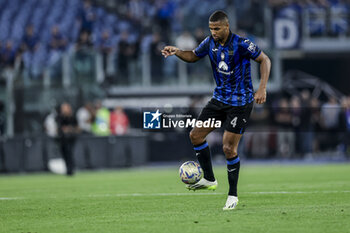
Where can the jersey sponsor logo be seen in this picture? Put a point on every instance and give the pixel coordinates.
(223, 67)
(214, 49)
(223, 72)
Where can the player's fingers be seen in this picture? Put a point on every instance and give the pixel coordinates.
(169, 48)
(168, 52)
(172, 50)
(165, 53)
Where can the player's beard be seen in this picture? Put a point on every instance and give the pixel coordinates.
(217, 39)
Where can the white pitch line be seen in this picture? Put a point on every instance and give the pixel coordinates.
(154, 194)
(9, 198)
(195, 194)
(299, 192)
(214, 193)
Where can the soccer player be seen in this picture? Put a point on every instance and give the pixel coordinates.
(233, 98)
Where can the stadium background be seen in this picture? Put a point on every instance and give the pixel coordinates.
(103, 58)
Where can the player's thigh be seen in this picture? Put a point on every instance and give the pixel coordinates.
(198, 134)
(237, 118)
(213, 110)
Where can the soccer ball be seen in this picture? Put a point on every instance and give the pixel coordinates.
(190, 172)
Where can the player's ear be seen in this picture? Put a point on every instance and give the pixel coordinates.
(227, 25)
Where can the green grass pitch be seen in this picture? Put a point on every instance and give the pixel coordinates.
(273, 198)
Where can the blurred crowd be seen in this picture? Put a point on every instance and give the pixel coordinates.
(36, 35)
(90, 119)
(65, 126)
(300, 125)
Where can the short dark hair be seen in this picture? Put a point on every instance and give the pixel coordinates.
(218, 16)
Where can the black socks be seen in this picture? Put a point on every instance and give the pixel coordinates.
(233, 166)
(204, 159)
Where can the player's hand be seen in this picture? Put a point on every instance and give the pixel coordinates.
(169, 51)
(260, 96)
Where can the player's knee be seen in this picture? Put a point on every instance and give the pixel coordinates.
(195, 138)
(229, 150)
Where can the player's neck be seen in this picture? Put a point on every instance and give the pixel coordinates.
(222, 42)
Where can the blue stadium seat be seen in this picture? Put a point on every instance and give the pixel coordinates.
(339, 19)
(316, 20)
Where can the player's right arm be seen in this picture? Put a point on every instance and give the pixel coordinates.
(187, 56)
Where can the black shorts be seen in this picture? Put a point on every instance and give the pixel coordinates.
(233, 118)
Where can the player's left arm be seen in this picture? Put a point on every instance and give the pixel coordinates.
(265, 67)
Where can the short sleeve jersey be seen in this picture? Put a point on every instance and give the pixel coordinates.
(231, 68)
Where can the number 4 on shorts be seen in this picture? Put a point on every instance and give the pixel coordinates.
(234, 122)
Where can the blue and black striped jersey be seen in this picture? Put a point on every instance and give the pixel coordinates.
(231, 68)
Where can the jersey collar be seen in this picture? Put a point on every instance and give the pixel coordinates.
(229, 38)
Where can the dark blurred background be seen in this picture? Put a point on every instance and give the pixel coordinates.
(103, 59)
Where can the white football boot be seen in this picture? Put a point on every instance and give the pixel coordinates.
(203, 184)
(231, 203)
